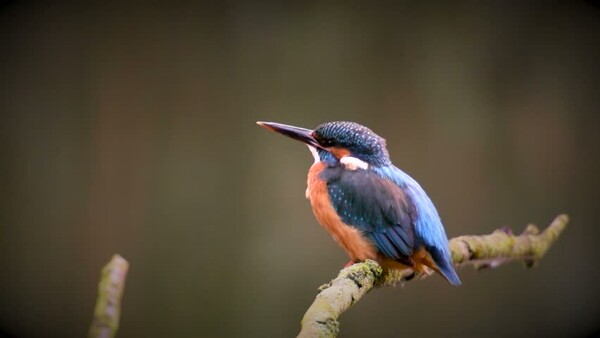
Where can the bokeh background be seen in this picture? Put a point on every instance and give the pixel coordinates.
(129, 128)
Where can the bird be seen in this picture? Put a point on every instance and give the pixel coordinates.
(372, 209)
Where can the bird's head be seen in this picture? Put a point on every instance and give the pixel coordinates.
(348, 143)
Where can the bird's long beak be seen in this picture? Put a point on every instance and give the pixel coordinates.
(301, 134)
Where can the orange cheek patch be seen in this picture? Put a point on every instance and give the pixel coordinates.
(339, 152)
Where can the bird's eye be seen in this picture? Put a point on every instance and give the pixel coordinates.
(327, 142)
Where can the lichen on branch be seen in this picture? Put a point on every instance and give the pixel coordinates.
(483, 251)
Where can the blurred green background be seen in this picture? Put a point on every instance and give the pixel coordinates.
(129, 128)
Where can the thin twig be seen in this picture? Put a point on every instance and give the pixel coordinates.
(108, 305)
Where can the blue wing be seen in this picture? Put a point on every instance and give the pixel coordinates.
(376, 206)
(429, 230)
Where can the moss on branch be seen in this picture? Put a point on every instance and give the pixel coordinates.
(484, 251)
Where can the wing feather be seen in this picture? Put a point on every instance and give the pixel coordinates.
(376, 206)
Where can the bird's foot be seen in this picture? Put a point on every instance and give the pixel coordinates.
(349, 263)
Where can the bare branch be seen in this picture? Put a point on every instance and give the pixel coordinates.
(108, 305)
(484, 251)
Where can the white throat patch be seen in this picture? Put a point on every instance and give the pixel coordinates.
(353, 163)
(314, 153)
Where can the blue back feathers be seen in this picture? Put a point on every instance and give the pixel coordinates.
(428, 225)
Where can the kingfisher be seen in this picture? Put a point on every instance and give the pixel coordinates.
(372, 209)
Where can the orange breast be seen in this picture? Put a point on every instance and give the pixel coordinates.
(350, 239)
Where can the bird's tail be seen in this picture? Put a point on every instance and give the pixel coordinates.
(444, 265)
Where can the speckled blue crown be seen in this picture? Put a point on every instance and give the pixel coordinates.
(361, 141)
